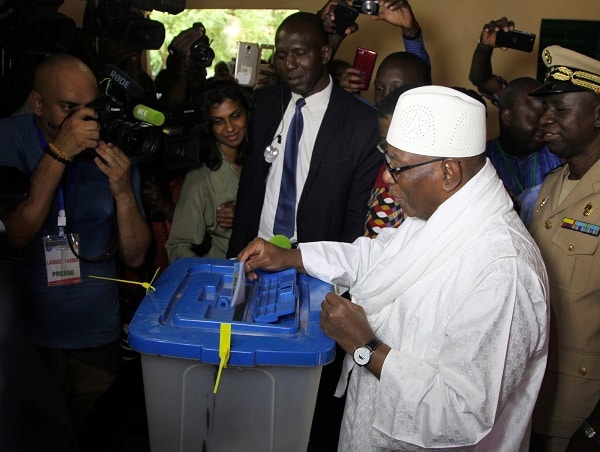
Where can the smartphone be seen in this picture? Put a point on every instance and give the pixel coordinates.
(246, 63)
(344, 17)
(515, 39)
(364, 61)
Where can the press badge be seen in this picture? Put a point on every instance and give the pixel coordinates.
(62, 267)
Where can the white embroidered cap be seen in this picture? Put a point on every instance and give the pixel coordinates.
(439, 122)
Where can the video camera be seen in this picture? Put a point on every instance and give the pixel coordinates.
(116, 19)
(35, 27)
(145, 135)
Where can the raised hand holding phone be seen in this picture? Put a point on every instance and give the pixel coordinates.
(364, 61)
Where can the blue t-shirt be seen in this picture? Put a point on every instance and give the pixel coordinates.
(519, 174)
(77, 315)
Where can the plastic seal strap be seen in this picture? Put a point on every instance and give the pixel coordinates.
(146, 285)
(224, 350)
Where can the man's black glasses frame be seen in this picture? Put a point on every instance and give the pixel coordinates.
(401, 169)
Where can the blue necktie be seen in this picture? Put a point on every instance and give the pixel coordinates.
(285, 217)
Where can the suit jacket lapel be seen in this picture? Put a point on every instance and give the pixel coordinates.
(327, 132)
(276, 111)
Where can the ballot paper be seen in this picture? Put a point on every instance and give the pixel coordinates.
(239, 284)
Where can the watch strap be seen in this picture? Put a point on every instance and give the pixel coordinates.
(372, 345)
(362, 354)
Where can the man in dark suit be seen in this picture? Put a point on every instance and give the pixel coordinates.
(340, 166)
(336, 167)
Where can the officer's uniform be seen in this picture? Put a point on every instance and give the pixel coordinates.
(568, 235)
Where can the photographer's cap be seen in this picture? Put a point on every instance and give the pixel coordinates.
(439, 122)
(568, 71)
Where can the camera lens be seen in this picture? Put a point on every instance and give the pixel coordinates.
(138, 140)
(201, 53)
(367, 6)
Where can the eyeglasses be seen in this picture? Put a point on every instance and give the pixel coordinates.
(401, 169)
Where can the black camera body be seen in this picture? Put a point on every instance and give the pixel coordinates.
(370, 7)
(201, 53)
(171, 146)
(140, 141)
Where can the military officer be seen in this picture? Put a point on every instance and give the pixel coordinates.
(566, 226)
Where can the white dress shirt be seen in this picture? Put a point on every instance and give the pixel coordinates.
(312, 114)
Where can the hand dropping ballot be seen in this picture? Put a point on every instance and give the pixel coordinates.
(239, 284)
(239, 277)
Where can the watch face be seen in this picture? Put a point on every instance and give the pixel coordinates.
(362, 355)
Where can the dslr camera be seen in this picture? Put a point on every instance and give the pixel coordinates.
(200, 51)
(140, 141)
(173, 145)
(370, 7)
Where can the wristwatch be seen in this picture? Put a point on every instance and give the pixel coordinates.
(362, 354)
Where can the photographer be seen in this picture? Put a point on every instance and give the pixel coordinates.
(81, 211)
(183, 79)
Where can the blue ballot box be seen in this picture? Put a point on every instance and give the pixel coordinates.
(266, 394)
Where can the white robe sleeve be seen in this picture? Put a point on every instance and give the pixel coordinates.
(452, 395)
(342, 263)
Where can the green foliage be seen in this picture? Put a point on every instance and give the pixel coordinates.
(225, 27)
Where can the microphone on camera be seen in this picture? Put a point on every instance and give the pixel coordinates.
(132, 89)
(149, 115)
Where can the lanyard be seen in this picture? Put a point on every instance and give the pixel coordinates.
(62, 216)
(61, 220)
(513, 173)
(62, 211)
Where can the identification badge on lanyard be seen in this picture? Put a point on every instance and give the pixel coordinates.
(62, 267)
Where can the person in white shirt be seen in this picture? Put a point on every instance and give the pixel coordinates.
(446, 333)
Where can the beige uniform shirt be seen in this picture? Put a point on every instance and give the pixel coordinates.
(567, 235)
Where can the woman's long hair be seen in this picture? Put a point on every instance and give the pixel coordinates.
(215, 93)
